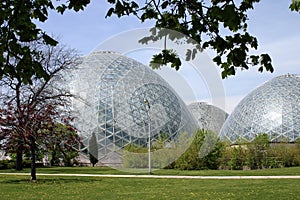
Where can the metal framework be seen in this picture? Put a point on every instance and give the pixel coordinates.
(209, 117)
(111, 90)
(273, 108)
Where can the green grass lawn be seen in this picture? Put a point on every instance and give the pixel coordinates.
(56, 187)
(19, 187)
(107, 170)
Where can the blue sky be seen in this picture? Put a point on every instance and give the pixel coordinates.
(275, 26)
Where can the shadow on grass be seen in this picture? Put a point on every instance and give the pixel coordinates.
(49, 180)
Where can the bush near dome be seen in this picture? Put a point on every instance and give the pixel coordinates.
(11, 164)
(260, 154)
(137, 156)
(191, 159)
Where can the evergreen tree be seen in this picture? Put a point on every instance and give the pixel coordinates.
(93, 149)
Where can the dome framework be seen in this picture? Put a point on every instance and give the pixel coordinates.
(209, 117)
(273, 108)
(113, 89)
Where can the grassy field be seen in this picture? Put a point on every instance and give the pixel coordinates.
(55, 187)
(19, 187)
(107, 170)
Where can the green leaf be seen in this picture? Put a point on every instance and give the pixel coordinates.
(254, 59)
(61, 9)
(217, 60)
(165, 57)
(295, 5)
(49, 40)
(231, 18)
(228, 71)
(266, 61)
(78, 5)
(153, 31)
(109, 12)
(145, 40)
(164, 4)
(41, 16)
(134, 5)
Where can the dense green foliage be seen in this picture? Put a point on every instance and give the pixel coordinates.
(206, 151)
(260, 154)
(194, 157)
(11, 164)
(62, 148)
(18, 29)
(203, 22)
(217, 24)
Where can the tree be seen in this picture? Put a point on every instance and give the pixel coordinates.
(93, 149)
(18, 29)
(30, 113)
(204, 23)
(63, 144)
(195, 157)
(217, 24)
(258, 149)
(200, 20)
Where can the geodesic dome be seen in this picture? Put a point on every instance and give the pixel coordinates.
(209, 117)
(273, 108)
(120, 99)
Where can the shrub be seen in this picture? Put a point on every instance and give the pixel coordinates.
(7, 164)
(203, 153)
(260, 154)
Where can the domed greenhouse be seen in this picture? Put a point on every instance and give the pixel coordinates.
(273, 108)
(120, 100)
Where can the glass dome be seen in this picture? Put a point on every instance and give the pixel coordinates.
(273, 108)
(119, 99)
(209, 117)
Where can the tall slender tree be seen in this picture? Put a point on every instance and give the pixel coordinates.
(93, 149)
(30, 112)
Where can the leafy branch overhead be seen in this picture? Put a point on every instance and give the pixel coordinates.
(18, 28)
(295, 5)
(217, 24)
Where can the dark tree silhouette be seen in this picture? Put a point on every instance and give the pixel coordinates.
(93, 149)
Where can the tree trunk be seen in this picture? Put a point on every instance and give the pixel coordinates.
(53, 157)
(33, 167)
(19, 160)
